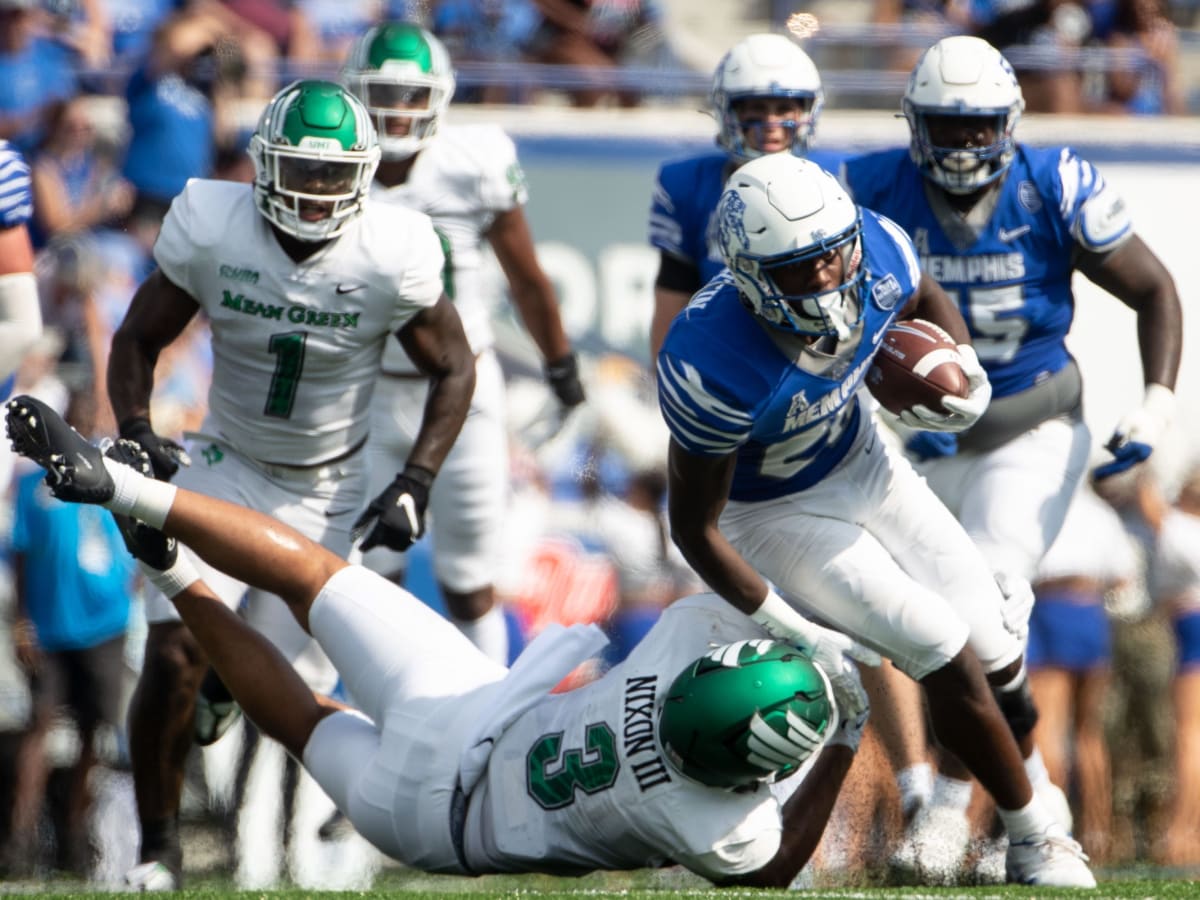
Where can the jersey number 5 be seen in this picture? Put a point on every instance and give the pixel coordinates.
(994, 315)
(552, 774)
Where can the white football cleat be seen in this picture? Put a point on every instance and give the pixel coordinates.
(1056, 804)
(934, 846)
(1050, 859)
(151, 877)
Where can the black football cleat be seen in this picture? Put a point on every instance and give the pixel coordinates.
(148, 544)
(74, 468)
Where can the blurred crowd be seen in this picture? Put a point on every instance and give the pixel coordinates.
(592, 542)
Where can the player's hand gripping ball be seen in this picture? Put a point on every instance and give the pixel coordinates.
(917, 364)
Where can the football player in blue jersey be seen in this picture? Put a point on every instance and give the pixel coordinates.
(20, 312)
(766, 98)
(1002, 227)
(777, 470)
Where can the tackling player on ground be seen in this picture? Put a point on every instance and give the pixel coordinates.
(1003, 227)
(468, 180)
(303, 283)
(456, 764)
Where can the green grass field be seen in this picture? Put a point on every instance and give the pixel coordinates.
(1132, 884)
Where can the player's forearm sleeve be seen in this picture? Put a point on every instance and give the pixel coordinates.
(20, 319)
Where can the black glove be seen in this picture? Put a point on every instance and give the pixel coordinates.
(148, 544)
(563, 378)
(398, 514)
(166, 456)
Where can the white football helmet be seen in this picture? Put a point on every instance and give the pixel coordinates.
(402, 73)
(315, 154)
(963, 76)
(765, 65)
(778, 210)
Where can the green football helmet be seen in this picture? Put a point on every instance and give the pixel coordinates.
(315, 153)
(746, 712)
(402, 73)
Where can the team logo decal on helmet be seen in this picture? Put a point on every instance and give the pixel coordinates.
(765, 65)
(959, 77)
(402, 73)
(314, 154)
(746, 712)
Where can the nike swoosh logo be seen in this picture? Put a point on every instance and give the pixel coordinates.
(349, 288)
(878, 335)
(405, 502)
(1011, 234)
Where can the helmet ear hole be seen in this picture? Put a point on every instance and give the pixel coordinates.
(746, 712)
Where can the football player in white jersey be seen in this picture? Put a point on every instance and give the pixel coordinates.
(680, 754)
(468, 180)
(303, 283)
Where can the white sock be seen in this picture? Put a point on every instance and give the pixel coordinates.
(916, 786)
(136, 495)
(950, 793)
(1026, 822)
(489, 633)
(1035, 768)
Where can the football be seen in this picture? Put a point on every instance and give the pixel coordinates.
(917, 363)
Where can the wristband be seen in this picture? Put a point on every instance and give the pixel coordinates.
(175, 580)
(780, 621)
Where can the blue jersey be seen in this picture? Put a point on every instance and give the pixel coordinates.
(686, 193)
(726, 386)
(1013, 280)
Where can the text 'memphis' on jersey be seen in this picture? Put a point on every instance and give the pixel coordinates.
(725, 386)
(1013, 283)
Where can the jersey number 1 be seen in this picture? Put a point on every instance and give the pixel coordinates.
(288, 349)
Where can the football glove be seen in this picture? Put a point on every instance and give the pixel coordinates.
(962, 412)
(925, 445)
(1136, 434)
(853, 705)
(1018, 604)
(166, 456)
(147, 545)
(396, 518)
(563, 378)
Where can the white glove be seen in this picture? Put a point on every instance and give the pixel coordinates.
(1018, 604)
(853, 705)
(963, 412)
(823, 645)
(1136, 434)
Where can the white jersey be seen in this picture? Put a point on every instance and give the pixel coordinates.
(296, 346)
(582, 778)
(463, 178)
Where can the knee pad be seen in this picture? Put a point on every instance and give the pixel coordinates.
(1016, 703)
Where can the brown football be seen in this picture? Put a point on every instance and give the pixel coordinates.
(917, 363)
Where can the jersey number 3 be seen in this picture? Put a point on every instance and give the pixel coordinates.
(552, 774)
